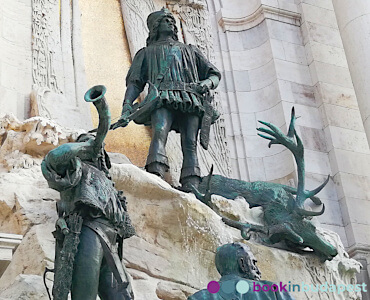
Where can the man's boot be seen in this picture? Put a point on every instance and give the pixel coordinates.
(157, 168)
(189, 183)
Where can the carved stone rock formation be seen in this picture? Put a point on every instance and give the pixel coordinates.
(24, 144)
(28, 287)
(172, 255)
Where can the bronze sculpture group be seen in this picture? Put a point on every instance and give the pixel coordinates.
(93, 219)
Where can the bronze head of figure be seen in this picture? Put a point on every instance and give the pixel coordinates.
(161, 21)
(237, 266)
(237, 259)
(102, 160)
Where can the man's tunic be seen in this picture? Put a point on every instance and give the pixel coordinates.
(87, 190)
(173, 67)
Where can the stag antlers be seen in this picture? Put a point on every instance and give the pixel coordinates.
(293, 142)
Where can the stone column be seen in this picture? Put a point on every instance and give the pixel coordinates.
(250, 52)
(345, 136)
(354, 25)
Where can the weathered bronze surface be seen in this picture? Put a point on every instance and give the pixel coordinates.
(179, 78)
(93, 218)
(285, 216)
(236, 263)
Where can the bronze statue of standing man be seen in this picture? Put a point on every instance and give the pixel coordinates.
(179, 79)
(93, 219)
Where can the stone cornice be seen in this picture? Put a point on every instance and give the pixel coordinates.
(197, 4)
(229, 22)
(359, 250)
(10, 240)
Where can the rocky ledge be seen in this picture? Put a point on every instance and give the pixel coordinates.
(172, 255)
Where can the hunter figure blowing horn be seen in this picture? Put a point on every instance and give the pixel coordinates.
(93, 218)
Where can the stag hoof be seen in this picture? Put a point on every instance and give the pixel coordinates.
(245, 233)
(267, 241)
(205, 198)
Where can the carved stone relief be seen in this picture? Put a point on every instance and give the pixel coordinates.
(196, 28)
(43, 73)
(134, 15)
(54, 60)
(191, 3)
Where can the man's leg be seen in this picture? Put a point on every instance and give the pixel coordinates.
(87, 264)
(190, 172)
(157, 162)
(108, 286)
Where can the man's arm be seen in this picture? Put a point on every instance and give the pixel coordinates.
(209, 75)
(135, 82)
(132, 93)
(60, 158)
(208, 84)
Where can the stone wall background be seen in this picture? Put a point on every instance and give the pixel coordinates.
(58, 71)
(107, 60)
(16, 57)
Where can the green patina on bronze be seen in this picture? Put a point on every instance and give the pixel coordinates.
(235, 262)
(179, 78)
(93, 219)
(284, 214)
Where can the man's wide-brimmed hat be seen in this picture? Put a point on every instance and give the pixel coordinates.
(156, 16)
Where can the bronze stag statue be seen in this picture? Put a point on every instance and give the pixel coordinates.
(285, 217)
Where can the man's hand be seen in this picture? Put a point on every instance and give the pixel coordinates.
(204, 86)
(123, 120)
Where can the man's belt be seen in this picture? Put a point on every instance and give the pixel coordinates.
(179, 86)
